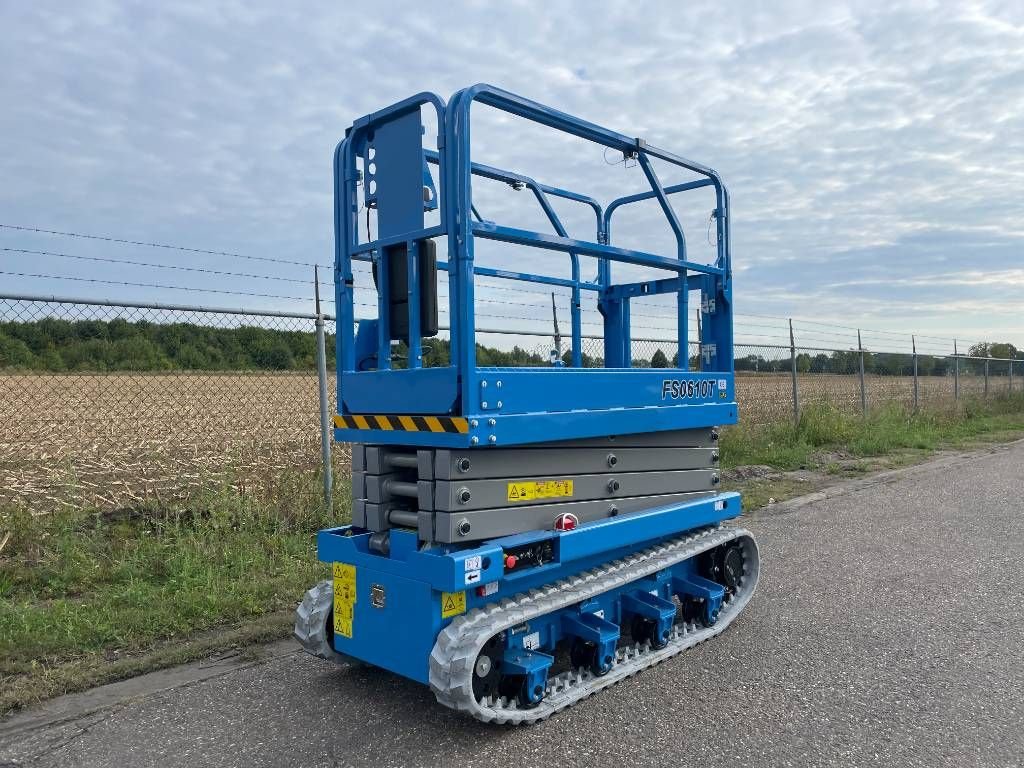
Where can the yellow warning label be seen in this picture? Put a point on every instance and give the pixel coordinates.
(342, 626)
(529, 490)
(344, 572)
(344, 598)
(452, 604)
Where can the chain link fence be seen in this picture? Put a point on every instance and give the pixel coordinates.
(113, 405)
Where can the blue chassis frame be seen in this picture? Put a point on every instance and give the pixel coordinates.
(415, 581)
(510, 406)
(619, 399)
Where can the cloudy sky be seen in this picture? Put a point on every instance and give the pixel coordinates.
(875, 153)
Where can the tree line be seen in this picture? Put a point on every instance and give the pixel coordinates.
(881, 363)
(52, 344)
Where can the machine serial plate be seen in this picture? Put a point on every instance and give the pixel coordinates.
(530, 490)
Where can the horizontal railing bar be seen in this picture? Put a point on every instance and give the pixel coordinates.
(670, 157)
(538, 113)
(505, 274)
(568, 244)
(384, 242)
(500, 174)
(640, 196)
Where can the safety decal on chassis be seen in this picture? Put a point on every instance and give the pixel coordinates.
(452, 604)
(529, 490)
(344, 598)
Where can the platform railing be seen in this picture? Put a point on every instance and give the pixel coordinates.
(461, 223)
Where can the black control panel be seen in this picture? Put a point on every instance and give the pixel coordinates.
(529, 555)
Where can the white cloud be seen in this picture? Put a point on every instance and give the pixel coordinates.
(869, 148)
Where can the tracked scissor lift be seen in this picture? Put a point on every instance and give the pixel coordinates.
(521, 537)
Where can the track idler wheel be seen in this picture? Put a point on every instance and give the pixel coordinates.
(487, 670)
(519, 687)
(725, 565)
(645, 630)
(586, 655)
(691, 609)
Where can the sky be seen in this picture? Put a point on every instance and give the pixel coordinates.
(874, 152)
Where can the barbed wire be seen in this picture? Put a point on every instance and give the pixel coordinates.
(560, 292)
(161, 286)
(154, 265)
(168, 246)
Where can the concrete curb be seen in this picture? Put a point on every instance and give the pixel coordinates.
(75, 705)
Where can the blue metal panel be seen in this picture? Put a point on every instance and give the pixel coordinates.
(408, 603)
(553, 390)
(646, 526)
(412, 581)
(394, 176)
(530, 428)
(444, 568)
(422, 391)
(565, 425)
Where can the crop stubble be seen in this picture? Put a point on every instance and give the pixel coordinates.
(120, 439)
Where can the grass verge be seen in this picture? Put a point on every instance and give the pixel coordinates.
(830, 443)
(92, 597)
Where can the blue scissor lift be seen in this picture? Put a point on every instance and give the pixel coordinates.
(521, 537)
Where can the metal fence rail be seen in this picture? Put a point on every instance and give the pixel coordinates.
(112, 421)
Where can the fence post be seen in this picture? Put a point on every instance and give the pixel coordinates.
(325, 416)
(1011, 376)
(700, 346)
(986, 377)
(796, 386)
(913, 346)
(863, 391)
(956, 372)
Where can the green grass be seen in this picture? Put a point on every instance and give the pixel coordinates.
(89, 597)
(884, 431)
(82, 586)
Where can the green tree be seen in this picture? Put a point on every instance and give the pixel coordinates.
(14, 353)
(135, 353)
(274, 356)
(999, 349)
(659, 359)
(192, 358)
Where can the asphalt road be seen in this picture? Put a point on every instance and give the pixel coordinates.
(888, 630)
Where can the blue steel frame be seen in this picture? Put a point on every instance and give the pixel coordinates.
(416, 580)
(505, 406)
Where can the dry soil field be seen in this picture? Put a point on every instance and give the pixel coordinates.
(115, 440)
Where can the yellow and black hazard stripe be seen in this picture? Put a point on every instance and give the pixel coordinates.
(452, 424)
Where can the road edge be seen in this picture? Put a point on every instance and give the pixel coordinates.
(845, 487)
(72, 706)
